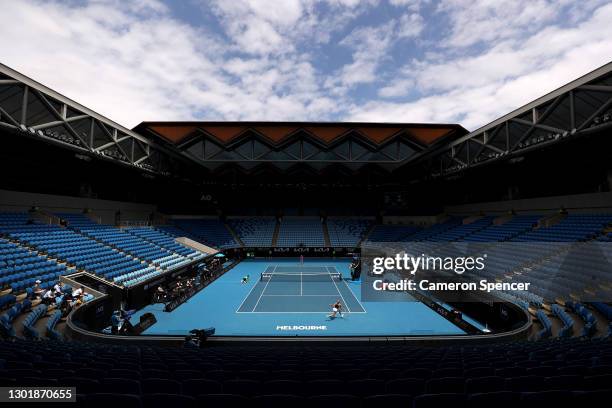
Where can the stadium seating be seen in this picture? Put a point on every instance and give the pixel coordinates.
(459, 231)
(546, 330)
(568, 321)
(77, 221)
(571, 228)
(51, 323)
(519, 224)
(346, 232)
(7, 301)
(524, 373)
(434, 230)
(212, 232)
(256, 231)
(145, 244)
(28, 324)
(46, 251)
(20, 267)
(176, 232)
(538, 263)
(14, 218)
(590, 323)
(31, 250)
(6, 319)
(161, 239)
(83, 252)
(392, 233)
(301, 232)
(604, 309)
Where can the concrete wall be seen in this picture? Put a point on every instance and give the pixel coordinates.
(101, 210)
(576, 204)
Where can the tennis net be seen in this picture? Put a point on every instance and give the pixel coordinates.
(301, 277)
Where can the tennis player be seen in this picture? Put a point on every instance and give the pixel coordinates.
(336, 309)
(245, 279)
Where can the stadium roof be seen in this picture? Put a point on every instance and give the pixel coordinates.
(315, 143)
(582, 107)
(31, 109)
(579, 108)
(277, 132)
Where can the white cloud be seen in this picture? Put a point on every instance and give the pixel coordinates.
(257, 26)
(410, 25)
(410, 4)
(370, 45)
(484, 21)
(135, 61)
(478, 88)
(276, 26)
(397, 88)
(481, 21)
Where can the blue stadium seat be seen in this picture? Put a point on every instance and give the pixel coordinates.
(439, 400)
(104, 400)
(279, 401)
(222, 400)
(255, 231)
(160, 385)
(161, 400)
(412, 386)
(498, 399)
(195, 387)
(295, 232)
(122, 385)
(347, 232)
(334, 400)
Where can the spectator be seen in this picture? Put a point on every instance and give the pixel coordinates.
(38, 290)
(58, 289)
(77, 302)
(160, 295)
(48, 297)
(66, 304)
(116, 322)
(78, 293)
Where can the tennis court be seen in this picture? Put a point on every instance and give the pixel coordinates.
(278, 305)
(299, 289)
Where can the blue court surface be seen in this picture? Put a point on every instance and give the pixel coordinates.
(300, 289)
(284, 298)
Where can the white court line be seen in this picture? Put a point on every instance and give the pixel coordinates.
(338, 289)
(263, 291)
(330, 295)
(247, 296)
(353, 293)
(299, 312)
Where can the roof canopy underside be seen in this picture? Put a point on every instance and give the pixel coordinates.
(284, 144)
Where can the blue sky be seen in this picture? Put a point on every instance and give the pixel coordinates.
(455, 61)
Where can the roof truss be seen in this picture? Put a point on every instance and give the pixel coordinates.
(252, 148)
(577, 109)
(33, 110)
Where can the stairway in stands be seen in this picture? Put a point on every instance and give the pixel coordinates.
(366, 234)
(236, 236)
(326, 234)
(276, 233)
